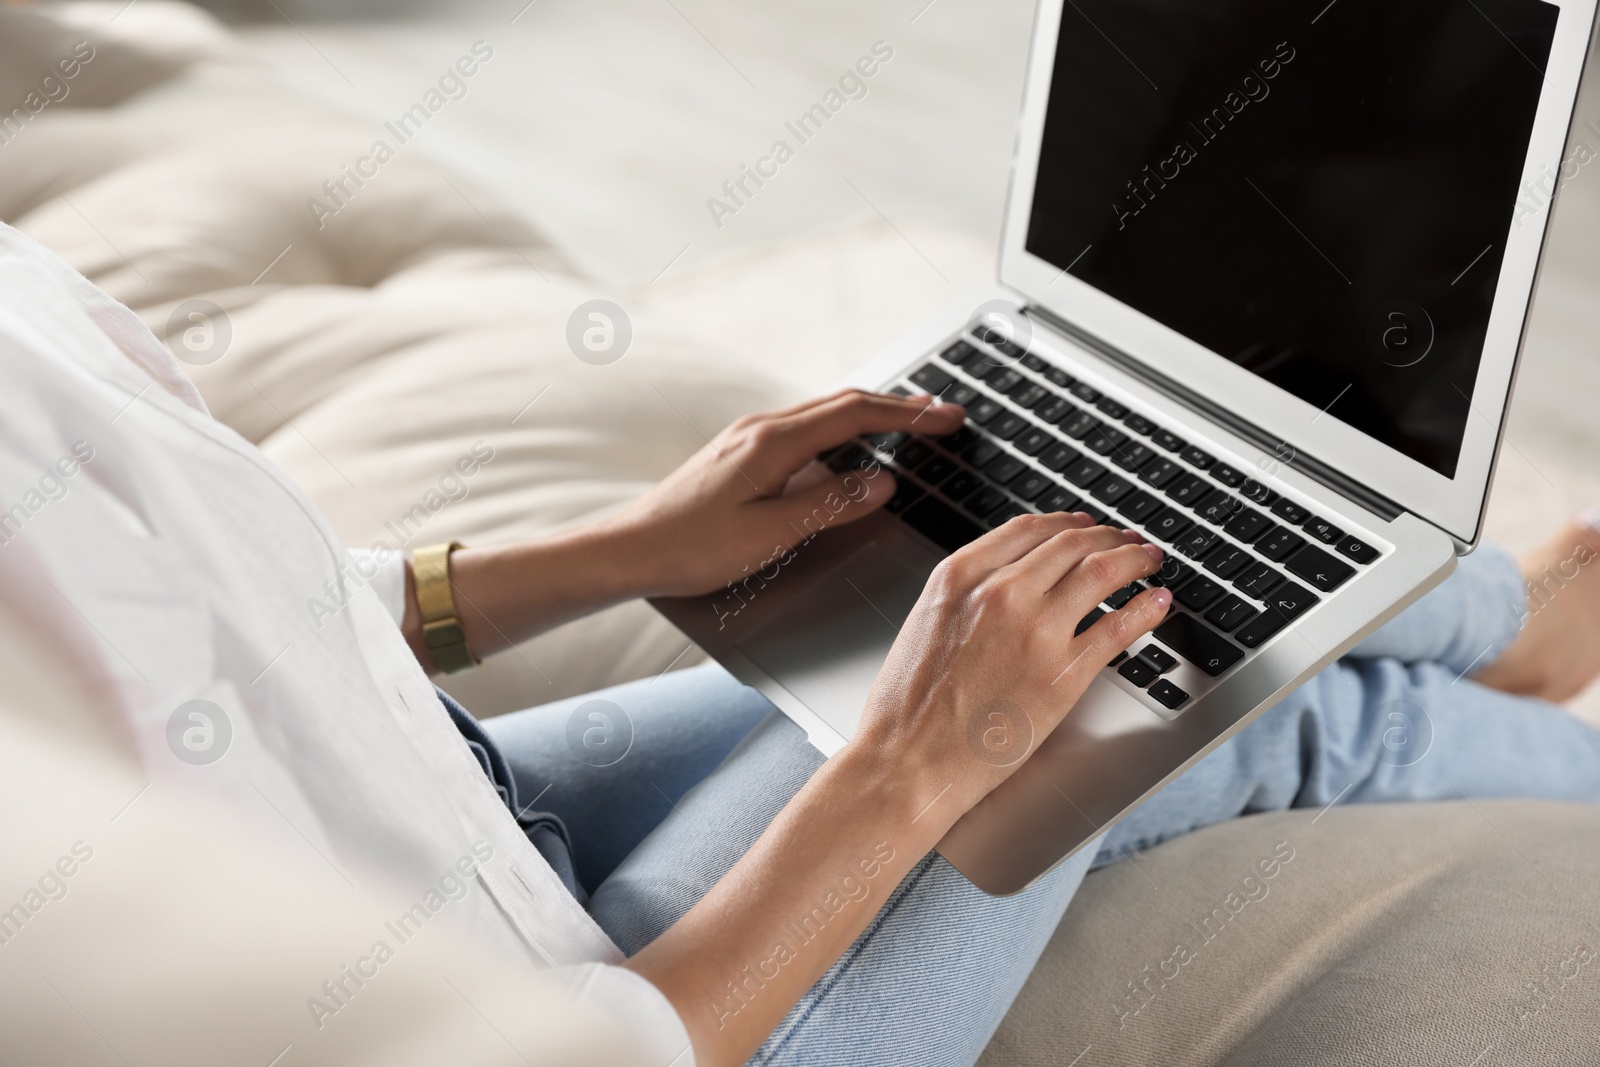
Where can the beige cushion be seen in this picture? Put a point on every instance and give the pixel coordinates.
(1450, 933)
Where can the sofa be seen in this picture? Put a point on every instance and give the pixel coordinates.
(366, 334)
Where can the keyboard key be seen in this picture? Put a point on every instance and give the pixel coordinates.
(1227, 561)
(1120, 656)
(1220, 508)
(912, 454)
(1286, 605)
(1029, 395)
(983, 411)
(1255, 491)
(1139, 506)
(1228, 476)
(1034, 363)
(1058, 457)
(960, 394)
(1008, 426)
(1197, 458)
(1279, 544)
(887, 442)
(1006, 513)
(1030, 486)
(1158, 658)
(1168, 526)
(959, 440)
(1003, 468)
(1322, 530)
(1160, 472)
(1057, 376)
(942, 524)
(1290, 512)
(1200, 593)
(1168, 695)
(1359, 551)
(1112, 489)
(899, 390)
(1004, 381)
(1139, 424)
(1172, 574)
(932, 379)
(1103, 440)
(1324, 571)
(1080, 426)
(1130, 457)
(1084, 473)
(1248, 525)
(983, 367)
(963, 485)
(1033, 441)
(1189, 638)
(1168, 440)
(1138, 672)
(1230, 613)
(1111, 408)
(1257, 580)
(958, 353)
(1196, 543)
(1191, 490)
(906, 493)
(1054, 410)
(1057, 499)
(1120, 598)
(937, 469)
(1085, 392)
(985, 501)
(982, 452)
(1094, 616)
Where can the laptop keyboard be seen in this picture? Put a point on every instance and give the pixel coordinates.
(1243, 562)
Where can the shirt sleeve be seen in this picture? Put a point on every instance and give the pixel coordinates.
(634, 1005)
(384, 570)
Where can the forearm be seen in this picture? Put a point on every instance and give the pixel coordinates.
(508, 593)
(736, 963)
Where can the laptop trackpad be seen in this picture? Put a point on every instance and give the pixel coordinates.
(827, 644)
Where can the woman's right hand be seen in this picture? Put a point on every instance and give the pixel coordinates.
(988, 663)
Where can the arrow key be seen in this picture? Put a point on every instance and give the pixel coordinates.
(1321, 569)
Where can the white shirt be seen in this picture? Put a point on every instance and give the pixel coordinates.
(197, 563)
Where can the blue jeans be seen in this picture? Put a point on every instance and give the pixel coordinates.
(933, 974)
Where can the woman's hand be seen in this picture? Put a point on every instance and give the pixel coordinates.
(985, 667)
(756, 491)
(988, 663)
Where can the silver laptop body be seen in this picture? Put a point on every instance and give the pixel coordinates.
(1229, 314)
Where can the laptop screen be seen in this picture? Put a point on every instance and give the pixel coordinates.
(1320, 192)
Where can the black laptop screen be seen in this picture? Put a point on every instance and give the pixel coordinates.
(1319, 192)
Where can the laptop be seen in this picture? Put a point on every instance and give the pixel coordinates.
(1264, 280)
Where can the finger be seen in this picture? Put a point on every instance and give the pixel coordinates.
(780, 446)
(1114, 633)
(834, 501)
(1101, 573)
(1005, 545)
(1043, 568)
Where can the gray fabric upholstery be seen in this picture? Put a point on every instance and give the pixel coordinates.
(1453, 933)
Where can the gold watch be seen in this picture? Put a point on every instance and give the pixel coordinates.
(436, 603)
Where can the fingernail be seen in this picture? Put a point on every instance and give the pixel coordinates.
(1154, 551)
(1135, 536)
(1084, 515)
(1161, 598)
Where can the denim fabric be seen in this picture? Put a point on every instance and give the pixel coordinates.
(931, 977)
(545, 831)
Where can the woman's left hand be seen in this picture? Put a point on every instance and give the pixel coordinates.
(756, 491)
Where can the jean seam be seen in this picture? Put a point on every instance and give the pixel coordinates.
(820, 991)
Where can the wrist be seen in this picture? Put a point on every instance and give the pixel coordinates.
(912, 799)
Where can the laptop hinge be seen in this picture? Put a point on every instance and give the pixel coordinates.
(1286, 452)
